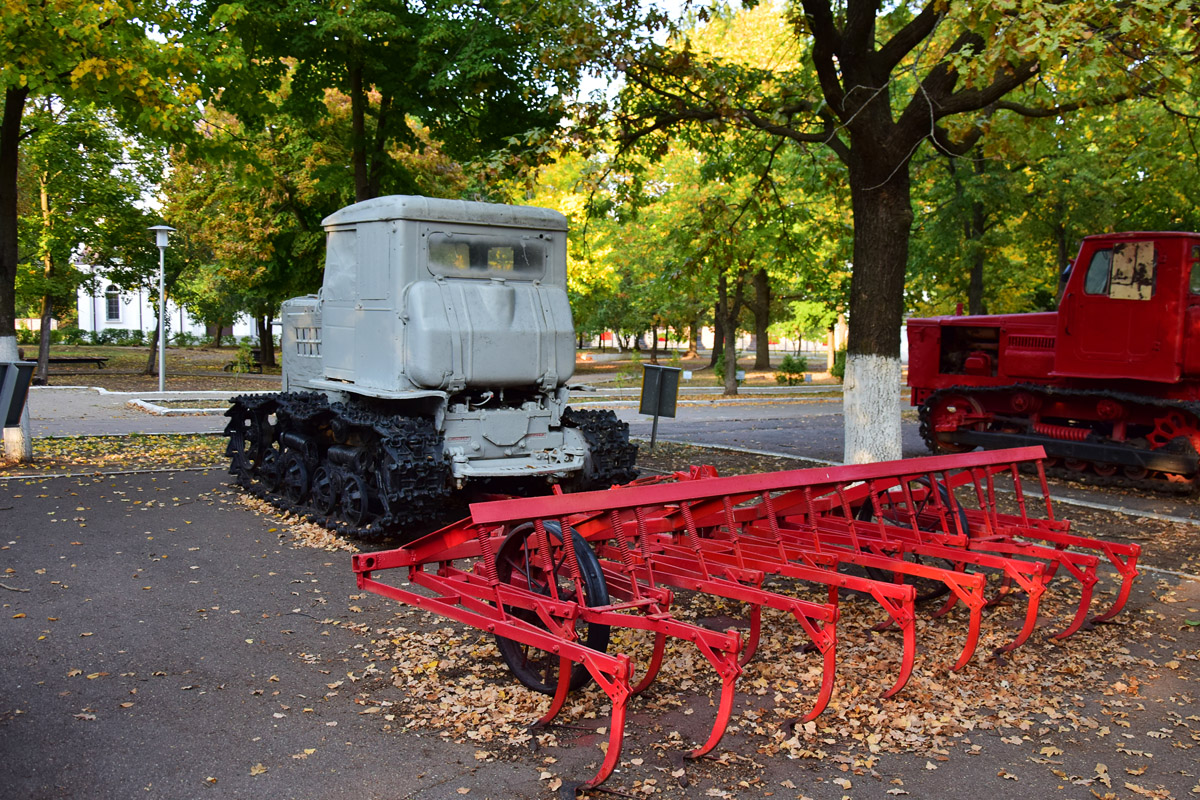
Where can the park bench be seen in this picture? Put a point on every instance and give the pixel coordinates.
(255, 362)
(99, 361)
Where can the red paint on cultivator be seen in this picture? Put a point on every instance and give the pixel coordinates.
(921, 529)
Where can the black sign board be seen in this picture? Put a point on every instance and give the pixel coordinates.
(660, 394)
(14, 385)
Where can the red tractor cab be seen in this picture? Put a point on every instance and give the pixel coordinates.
(1109, 384)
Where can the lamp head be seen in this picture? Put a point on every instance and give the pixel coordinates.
(160, 234)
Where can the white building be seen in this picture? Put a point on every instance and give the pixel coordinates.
(101, 305)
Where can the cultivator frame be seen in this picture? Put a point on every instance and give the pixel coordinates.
(931, 521)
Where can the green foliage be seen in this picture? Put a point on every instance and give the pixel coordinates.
(839, 365)
(81, 174)
(676, 359)
(80, 55)
(487, 79)
(791, 370)
(804, 320)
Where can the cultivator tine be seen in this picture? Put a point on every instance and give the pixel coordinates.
(546, 574)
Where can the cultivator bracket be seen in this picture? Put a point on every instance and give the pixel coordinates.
(550, 577)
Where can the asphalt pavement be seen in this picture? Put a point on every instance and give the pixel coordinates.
(160, 639)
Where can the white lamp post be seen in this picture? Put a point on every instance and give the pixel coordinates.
(160, 234)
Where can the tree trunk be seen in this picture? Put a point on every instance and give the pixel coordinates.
(762, 319)
(730, 308)
(693, 339)
(10, 139)
(871, 397)
(653, 344)
(41, 373)
(153, 358)
(266, 342)
(978, 227)
(358, 134)
(718, 336)
(1064, 258)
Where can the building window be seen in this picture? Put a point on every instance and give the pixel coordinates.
(112, 301)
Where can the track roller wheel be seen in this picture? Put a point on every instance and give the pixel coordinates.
(1104, 470)
(519, 563)
(270, 473)
(324, 490)
(1135, 473)
(293, 477)
(355, 500)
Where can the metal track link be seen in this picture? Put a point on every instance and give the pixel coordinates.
(397, 477)
(612, 456)
(1188, 485)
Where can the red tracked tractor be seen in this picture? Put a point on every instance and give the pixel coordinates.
(1108, 385)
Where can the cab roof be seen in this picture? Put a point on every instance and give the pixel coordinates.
(430, 209)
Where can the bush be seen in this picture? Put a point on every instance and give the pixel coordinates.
(245, 360)
(839, 365)
(676, 360)
(719, 365)
(73, 335)
(791, 370)
(26, 336)
(122, 337)
(185, 339)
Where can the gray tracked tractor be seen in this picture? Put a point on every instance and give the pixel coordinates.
(435, 355)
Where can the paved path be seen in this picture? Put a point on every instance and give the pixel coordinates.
(76, 410)
(158, 640)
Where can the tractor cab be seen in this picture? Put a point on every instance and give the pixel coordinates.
(1131, 304)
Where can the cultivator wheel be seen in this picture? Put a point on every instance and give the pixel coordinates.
(917, 505)
(521, 562)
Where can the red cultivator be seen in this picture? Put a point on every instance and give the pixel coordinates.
(919, 529)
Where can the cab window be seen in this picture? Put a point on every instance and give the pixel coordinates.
(1126, 272)
(1194, 280)
(468, 255)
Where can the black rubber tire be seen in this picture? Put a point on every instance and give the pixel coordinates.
(927, 590)
(535, 668)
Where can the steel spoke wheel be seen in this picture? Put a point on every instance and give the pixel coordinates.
(924, 510)
(270, 473)
(324, 490)
(519, 563)
(356, 500)
(294, 477)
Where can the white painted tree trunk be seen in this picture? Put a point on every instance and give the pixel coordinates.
(18, 442)
(871, 409)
